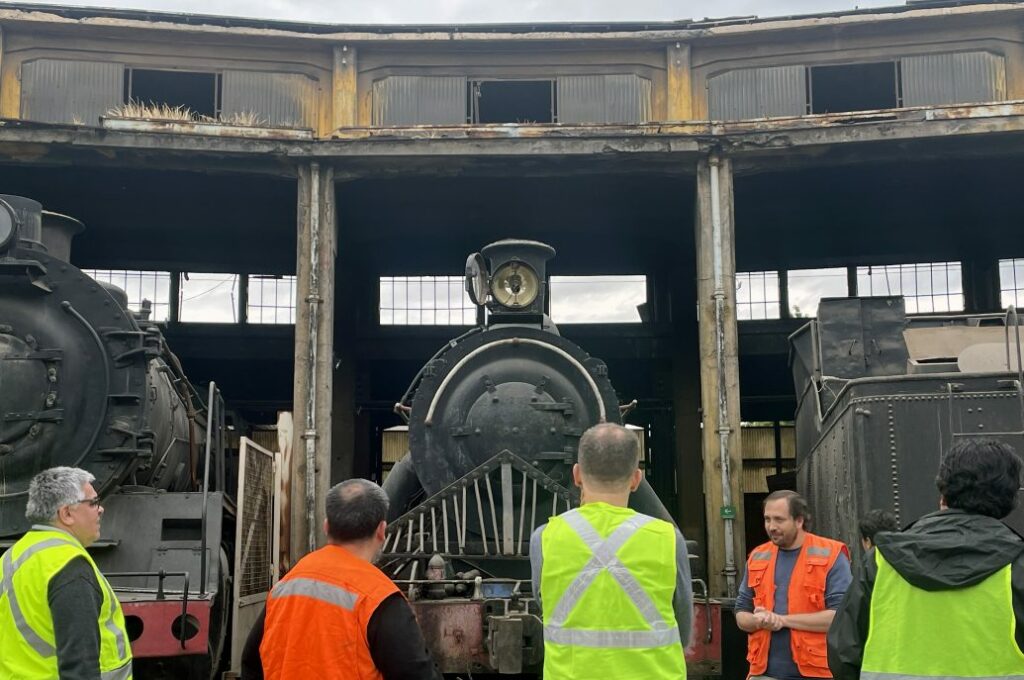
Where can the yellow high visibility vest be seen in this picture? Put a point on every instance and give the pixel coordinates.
(961, 633)
(607, 582)
(26, 627)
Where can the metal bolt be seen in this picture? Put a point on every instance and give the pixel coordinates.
(34, 430)
(6, 449)
(515, 430)
(4, 328)
(51, 375)
(51, 399)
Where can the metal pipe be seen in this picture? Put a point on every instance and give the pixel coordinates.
(724, 430)
(210, 424)
(313, 300)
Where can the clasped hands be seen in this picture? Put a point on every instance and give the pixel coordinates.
(768, 620)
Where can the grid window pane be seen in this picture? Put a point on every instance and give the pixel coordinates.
(757, 295)
(271, 299)
(425, 301)
(926, 288)
(808, 286)
(597, 299)
(140, 285)
(1011, 282)
(209, 298)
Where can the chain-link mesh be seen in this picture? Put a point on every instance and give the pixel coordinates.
(257, 518)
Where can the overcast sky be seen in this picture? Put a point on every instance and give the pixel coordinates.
(470, 11)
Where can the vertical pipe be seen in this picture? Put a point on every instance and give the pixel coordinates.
(313, 301)
(724, 431)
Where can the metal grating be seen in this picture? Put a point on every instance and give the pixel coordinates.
(138, 286)
(604, 99)
(65, 91)
(757, 295)
(926, 287)
(953, 78)
(257, 518)
(770, 92)
(425, 301)
(279, 99)
(419, 100)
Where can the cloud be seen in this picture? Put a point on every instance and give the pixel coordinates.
(483, 11)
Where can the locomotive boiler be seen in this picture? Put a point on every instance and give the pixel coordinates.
(881, 396)
(88, 383)
(494, 421)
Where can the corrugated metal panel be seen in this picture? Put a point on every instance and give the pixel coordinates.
(758, 93)
(759, 442)
(956, 78)
(280, 99)
(64, 91)
(419, 100)
(604, 99)
(394, 443)
(756, 473)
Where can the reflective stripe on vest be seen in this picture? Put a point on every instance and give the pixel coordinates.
(604, 559)
(318, 590)
(915, 633)
(114, 653)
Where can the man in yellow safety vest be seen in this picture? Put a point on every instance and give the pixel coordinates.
(945, 597)
(58, 615)
(614, 584)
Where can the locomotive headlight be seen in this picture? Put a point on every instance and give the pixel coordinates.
(515, 285)
(8, 224)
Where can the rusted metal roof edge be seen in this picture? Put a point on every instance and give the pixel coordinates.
(689, 31)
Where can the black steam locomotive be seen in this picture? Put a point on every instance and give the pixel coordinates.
(881, 396)
(88, 383)
(494, 419)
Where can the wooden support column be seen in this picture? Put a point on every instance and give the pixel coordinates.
(314, 343)
(719, 373)
(344, 100)
(679, 99)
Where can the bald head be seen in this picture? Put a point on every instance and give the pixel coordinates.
(608, 456)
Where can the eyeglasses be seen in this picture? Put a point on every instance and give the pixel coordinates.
(91, 502)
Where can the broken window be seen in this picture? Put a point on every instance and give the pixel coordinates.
(597, 299)
(806, 287)
(208, 298)
(425, 301)
(853, 87)
(138, 286)
(196, 91)
(1011, 282)
(512, 101)
(271, 299)
(757, 295)
(926, 287)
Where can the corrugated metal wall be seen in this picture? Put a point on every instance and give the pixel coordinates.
(758, 93)
(65, 91)
(603, 99)
(758, 446)
(419, 100)
(281, 99)
(959, 78)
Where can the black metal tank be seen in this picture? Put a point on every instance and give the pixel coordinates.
(84, 381)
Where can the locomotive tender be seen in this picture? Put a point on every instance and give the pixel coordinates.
(881, 396)
(88, 383)
(494, 420)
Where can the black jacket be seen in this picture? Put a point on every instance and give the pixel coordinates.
(944, 550)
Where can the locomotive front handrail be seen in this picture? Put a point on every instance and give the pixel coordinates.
(161, 575)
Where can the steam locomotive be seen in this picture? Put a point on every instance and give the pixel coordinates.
(881, 396)
(88, 383)
(494, 420)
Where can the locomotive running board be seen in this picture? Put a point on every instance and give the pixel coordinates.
(428, 529)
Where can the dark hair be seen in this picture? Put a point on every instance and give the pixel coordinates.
(797, 504)
(608, 453)
(981, 476)
(877, 520)
(355, 508)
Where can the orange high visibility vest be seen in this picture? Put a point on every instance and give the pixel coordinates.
(806, 595)
(317, 617)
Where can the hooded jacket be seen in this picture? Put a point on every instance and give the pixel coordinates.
(945, 550)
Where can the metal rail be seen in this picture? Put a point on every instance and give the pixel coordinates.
(161, 575)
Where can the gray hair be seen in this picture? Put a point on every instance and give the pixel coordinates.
(52, 489)
(608, 454)
(355, 508)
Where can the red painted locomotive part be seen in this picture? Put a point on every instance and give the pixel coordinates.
(157, 637)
